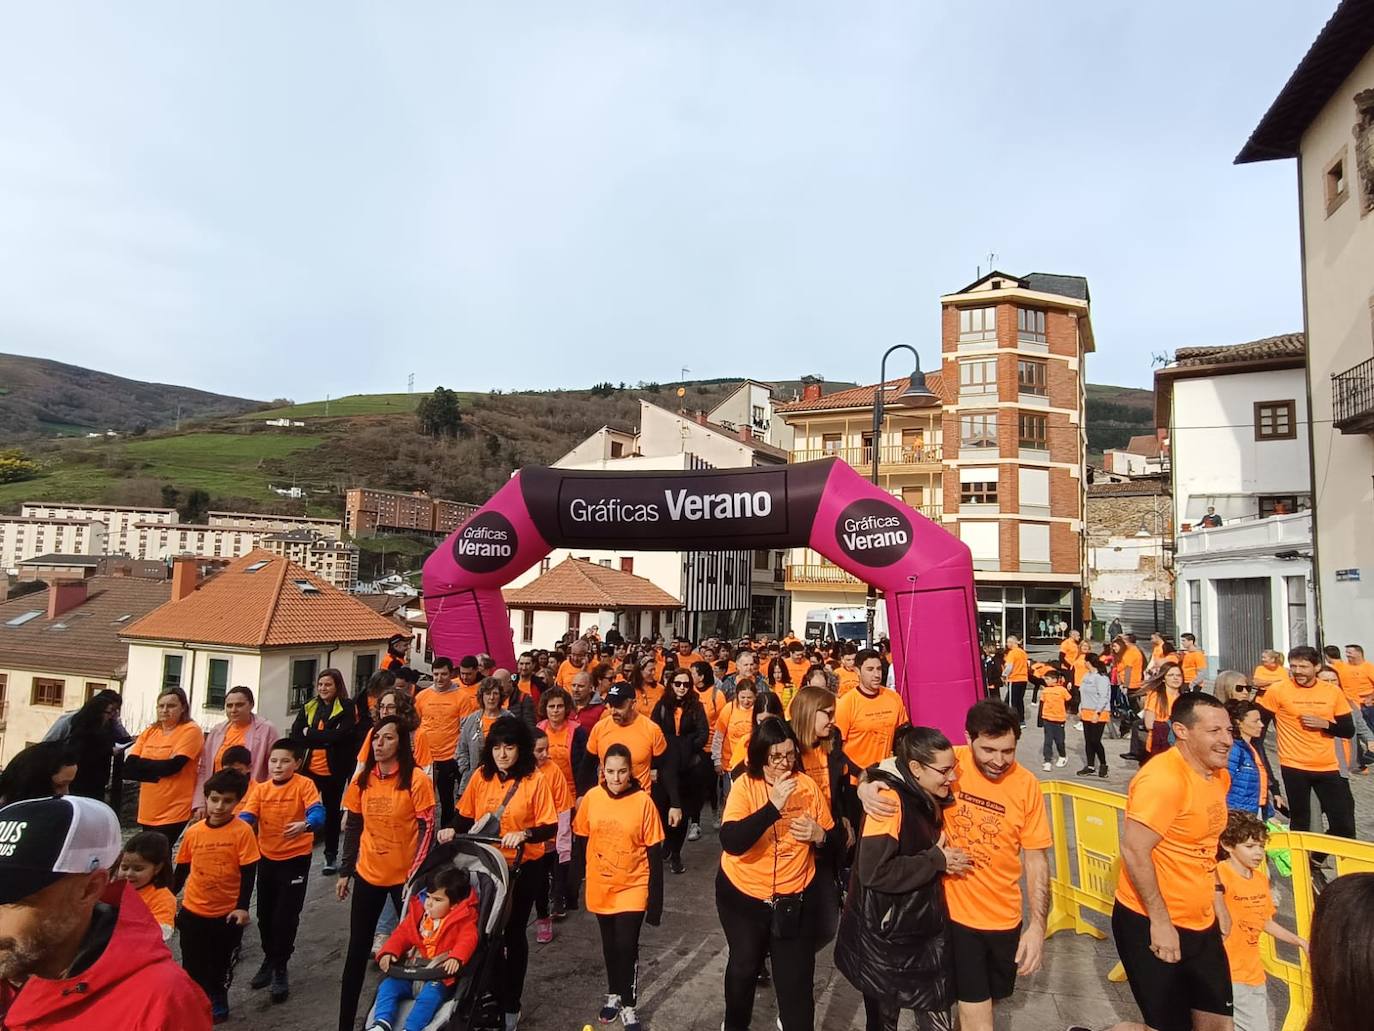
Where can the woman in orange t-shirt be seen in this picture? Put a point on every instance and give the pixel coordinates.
(390, 824)
(621, 835)
(733, 726)
(1160, 694)
(823, 760)
(780, 682)
(395, 702)
(165, 758)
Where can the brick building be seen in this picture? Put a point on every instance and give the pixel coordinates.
(368, 510)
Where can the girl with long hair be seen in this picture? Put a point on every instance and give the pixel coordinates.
(780, 682)
(679, 714)
(1161, 691)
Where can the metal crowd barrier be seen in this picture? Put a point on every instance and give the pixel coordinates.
(1087, 825)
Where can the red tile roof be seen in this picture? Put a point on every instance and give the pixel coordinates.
(1143, 444)
(585, 586)
(264, 601)
(1286, 345)
(862, 397)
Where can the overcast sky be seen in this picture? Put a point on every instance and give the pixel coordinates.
(294, 199)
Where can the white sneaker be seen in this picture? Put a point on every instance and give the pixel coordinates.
(1078, 725)
(378, 940)
(629, 1020)
(1061, 762)
(694, 831)
(1046, 767)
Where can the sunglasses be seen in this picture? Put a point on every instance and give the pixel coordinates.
(1243, 687)
(682, 683)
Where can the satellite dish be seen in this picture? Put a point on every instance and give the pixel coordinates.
(681, 391)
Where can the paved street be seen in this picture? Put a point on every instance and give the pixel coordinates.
(683, 961)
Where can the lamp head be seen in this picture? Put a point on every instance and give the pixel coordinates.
(916, 394)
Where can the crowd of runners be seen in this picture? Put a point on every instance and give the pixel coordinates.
(922, 861)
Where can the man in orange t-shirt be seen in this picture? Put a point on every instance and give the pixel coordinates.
(1194, 663)
(1309, 715)
(1070, 647)
(442, 709)
(1016, 674)
(1164, 921)
(576, 662)
(1355, 686)
(867, 718)
(797, 665)
(848, 673)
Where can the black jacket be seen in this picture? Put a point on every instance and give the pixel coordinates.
(686, 745)
(893, 941)
(338, 737)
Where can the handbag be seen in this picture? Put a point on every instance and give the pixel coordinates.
(788, 915)
(489, 826)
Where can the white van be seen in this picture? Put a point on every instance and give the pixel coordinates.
(844, 623)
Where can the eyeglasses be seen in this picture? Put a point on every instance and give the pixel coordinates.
(943, 771)
(782, 758)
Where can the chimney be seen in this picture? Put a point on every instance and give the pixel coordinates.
(746, 434)
(185, 576)
(811, 388)
(65, 595)
(701, 416)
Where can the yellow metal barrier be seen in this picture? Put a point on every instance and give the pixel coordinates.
(1085, 872)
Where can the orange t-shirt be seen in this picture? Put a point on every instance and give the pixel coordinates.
(235, 735)
(558, 786)
(1250, 905)
(391, 830)
(849, 680)
(642, 737)
(440, 714)
(1194, 663)
(419, 747)
(1132, 660)
(566, 672)
(816, 765)
(1188, 810)
(217, 856)
(531, 806)
(560, 749)
(1355, 680)
(993, 821)
(1019, 661)
(776, 864)
(1069, 649)
(169, 800)
(1263, 678)
(713, 702)
(161, 903)
(619, 831)
(1052, 703)
(647, 697)
(868, 725)
(1300, 748)
(797, 671)
(736, 724)
(273, 806)
(1157, 653)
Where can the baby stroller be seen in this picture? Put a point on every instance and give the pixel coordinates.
(471, 1008)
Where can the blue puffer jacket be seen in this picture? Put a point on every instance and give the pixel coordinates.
(1245, 780)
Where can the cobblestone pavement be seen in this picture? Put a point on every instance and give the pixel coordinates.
(682, 962)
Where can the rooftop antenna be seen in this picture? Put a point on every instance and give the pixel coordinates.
(683, 371)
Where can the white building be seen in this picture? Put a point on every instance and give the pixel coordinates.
(752, 404)
(119, 521)
(275, 523)
(1324, 117)
(1142, 456)
(165, 541)
(1238, 443)
(25, 537)
(262, 622)
(330, 559)
(578, 594)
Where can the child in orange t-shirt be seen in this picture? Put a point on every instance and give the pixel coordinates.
(555, 866)
(1243, 884)
(238, 759)
(439, 930)
(1054, 701)
(217, 865)
(146, 863)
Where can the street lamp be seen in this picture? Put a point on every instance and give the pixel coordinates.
(916, 395)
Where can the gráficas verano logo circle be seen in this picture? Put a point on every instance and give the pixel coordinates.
(873, 532)
(486, 543)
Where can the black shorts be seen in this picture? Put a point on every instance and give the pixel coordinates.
(1168, 993)
(984, 962)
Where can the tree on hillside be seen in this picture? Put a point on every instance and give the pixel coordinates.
(16, 466)
(169, 496)
(439, 413)
(194, 507)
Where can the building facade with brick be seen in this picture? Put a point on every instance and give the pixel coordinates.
(368, 510)
(26, 537)
(1000, 462)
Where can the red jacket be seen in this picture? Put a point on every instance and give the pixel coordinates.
(135, 985)
(457, 939)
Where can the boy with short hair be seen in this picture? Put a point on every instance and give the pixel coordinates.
(1054, 700)
(440, 927)
(238, 759)
(1243, 886)
(286, 811)
(217, 864)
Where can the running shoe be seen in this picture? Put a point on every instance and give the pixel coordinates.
(1046, 767)
(281, 985)
(1061, 762)
(1102, 771)
(543, 930)
(263, 977)
(676, 865)
(630, 1019)
(694, 831)
(1087, 771)
(331, 866)
(381, 1025)
(609, 1011)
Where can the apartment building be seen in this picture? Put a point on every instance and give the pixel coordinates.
(119, 520)
(26, 537)
(1000, 462)
(164, 541)
(368, 510)
(333, 561)
(277, 523)
(1324, 119)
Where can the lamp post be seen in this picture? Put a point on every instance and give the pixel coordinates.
(916, 395)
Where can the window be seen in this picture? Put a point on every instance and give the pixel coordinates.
(1297, 610)
(627, 564)
(1031, 378)
(830, 443)
(4, 687)
(981, 538)
(47, 691)
(1034, 541)
(171, 671)
(1030, 325)
(526, 625)
(977, 323)
(216, 683)
(575, 622)
(1033, 489)
(604, 563)
(978, 431)
(1032, 432)
(978, 376)
(302, 682)
(617, 449)
(94, 687)
(1336, 183)
(979, 492)
(1282, 504)
(1276, 420)
(364, 665)
(757, 415)
(1195, 607)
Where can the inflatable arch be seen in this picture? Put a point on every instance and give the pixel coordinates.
(925, 572)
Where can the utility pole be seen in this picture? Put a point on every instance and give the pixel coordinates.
(326, 405)
(178, 418)
(410, 383)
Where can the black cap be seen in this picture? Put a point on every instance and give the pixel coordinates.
(44, 839)
(620, 693)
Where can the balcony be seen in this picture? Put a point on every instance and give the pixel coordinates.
(889, 455)
(822, 575)
(1254, 535)
(1352, 398)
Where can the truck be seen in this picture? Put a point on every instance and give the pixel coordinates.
(844, 623)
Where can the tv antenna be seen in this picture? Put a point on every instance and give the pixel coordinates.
(410, 383)
(1159, 359)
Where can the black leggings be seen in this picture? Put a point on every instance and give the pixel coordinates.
(673, 837)
(515, 945)
(445, 783)
(331, 791)
(620, 949)
(281, 896)
(1333, 795)
(1018, 698)
(1092, 741)
(542, 868)
(368, 900)
(748, 926)
(209, 950)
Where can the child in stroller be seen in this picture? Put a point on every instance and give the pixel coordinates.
(439, 931)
